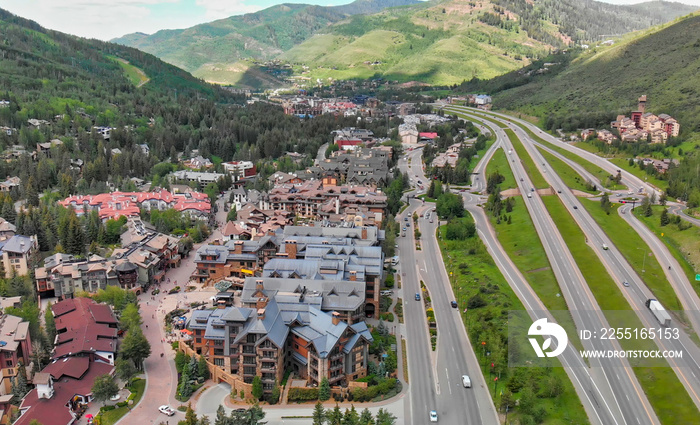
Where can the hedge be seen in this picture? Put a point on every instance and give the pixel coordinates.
(302, 394)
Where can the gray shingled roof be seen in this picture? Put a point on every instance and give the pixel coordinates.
(347, 295)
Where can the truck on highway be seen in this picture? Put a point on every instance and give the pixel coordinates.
(659, 312)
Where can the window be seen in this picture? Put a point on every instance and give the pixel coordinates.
(218, 343)
(8, 363)
(219, 362)
(198, 340)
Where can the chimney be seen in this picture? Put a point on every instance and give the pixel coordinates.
(353, 275)
(259, 287)
(238, 247)
(290, 247)
(336, 318)
(261, 313)
(364, 233)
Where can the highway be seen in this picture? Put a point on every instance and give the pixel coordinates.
(435, 377)
(617, 378)
(687, 369)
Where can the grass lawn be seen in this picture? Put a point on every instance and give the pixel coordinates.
(522, 244)
(636, 252)
(665, 392)
(530, 168)
(623, 163)
(111, 417)
(684, 245)
(571, 178)
(474, 271)
(598, 172)
(499, 162)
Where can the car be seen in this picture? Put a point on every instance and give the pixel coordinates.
(532, 189)
(466, 381)
(405, 219)
(626, 283)
(575, 207)
(558, 191)
(404, 228)
(166, 410)
(115, 397)
(408, 224)
(521, 179)
(433, 416)
(417, 296)
(453, 303)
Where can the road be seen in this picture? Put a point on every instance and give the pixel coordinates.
(617, 379)
(686, 369)
(436, 377)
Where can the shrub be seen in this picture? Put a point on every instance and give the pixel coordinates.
(107, 408)
(302, 394)
(389, 282)
(122, 403)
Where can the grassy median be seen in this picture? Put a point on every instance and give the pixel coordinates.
(569, 176)
(529, 165)
(668, 397)
(476, 280)
(636, 252)
(499, 162)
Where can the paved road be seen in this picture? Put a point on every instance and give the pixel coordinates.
(686, 369)
(454, 355)
(290, 414)
(620, 380)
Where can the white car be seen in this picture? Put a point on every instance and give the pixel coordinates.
(433, 416)
(166, 410)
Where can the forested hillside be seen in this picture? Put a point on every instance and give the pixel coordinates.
(74, 84)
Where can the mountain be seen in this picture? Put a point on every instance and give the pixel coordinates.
(451, 41)
(440, 42)
(589, 88)
(216, 49)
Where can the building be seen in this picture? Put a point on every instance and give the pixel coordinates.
(344, 297)
(237, 259)
(128, 204)
(16, 253)
(198, 162)
(7, 230)
(202, 179)
(10, 183)
(61, 388)
(312, 199)
(408, 134)
(85, 328)
(15, 346)
(240, 169)
(282, 333)
(143, 262)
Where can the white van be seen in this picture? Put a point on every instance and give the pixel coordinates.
(466, 381)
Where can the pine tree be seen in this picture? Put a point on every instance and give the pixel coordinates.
(19, 383)
(202, 368)
(324, 390)
(366, 418)
(257, 389)
(319, 414)
(49, 324)
(664, 220)
(31, 192)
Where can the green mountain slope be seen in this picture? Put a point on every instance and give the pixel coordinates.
(439, 42)
(216, 50)
(590, 88)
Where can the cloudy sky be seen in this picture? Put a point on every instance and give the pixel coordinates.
(106, 19)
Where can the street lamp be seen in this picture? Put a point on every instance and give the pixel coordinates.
(644, 259)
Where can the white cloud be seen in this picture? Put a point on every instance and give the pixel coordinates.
(219, 9)
(102, 19)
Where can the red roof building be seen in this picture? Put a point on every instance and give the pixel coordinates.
(85, 328)
(60, 388)
(116, 204)
(430, 136)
